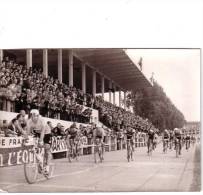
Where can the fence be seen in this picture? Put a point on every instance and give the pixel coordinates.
(112, 144)
(12, 152)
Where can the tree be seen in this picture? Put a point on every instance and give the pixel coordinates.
(157, 107)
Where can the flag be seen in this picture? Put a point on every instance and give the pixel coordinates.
(152, 78)
(140, 63)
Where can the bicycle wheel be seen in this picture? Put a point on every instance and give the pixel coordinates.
(128, 152)
(69, 155)
(31, 172)
(177, 150)
(128, 155)
(100, 154)
(131, 153)
(150, 149)
(95, 154)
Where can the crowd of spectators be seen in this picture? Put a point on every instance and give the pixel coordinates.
(118, 118)
(22, 88)
(26, 89)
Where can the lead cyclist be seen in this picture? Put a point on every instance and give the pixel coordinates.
(37, 128)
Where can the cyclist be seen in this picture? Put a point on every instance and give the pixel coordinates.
(130, 135)
(155, 141)
(178, 137)
(193, 139)
(166, 136)
(171, 138)
(150, 140)
(99, 133)
(36, 127)
(72, 134)
(187, 141)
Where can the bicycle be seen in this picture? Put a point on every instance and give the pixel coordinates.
(73, 150)
(37, 166)
(150, 147)
(170, 144)
(98, 149)
(129, 150)
(165, 145)
(187, 144)
(177, 147)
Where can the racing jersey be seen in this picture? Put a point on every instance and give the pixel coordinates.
(151, 134)
(171, 135)
(130, 134)
(73, 131)
(177, 133)
(35, 128)
(98, 132)
(166, 134)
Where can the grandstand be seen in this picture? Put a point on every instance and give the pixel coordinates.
(91, 71)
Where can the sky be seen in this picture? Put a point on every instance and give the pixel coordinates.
(178, 72)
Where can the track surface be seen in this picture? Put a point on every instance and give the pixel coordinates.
(161, 172)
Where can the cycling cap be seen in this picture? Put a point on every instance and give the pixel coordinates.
(34, 111)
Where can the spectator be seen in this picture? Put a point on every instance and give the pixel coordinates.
(12, 128)
(58, 130)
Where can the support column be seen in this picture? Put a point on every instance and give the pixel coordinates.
(102, 86)
(110, 87)
(124, 100)
(29, 58)
(1, 55)
(84, 78)
(119, 98)
(94, 83)
(60, 60)
(45, 62)
(114, 94)
(70, 57)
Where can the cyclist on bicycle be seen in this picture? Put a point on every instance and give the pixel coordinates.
(166, 136)
(178, 137)
(193, 139)
(99, 133)
(37, 128)
(150, 140)
(187, 139)
(171, 138)
(155, 141)
(72, 134)
(130, 135)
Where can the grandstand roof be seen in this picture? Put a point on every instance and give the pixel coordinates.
(117, 65)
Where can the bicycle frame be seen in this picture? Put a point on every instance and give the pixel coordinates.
(37, 165)
(177, 146)
(73, 151)
(129, 150)
(150, 146)
(165, 145)
(98, 149)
